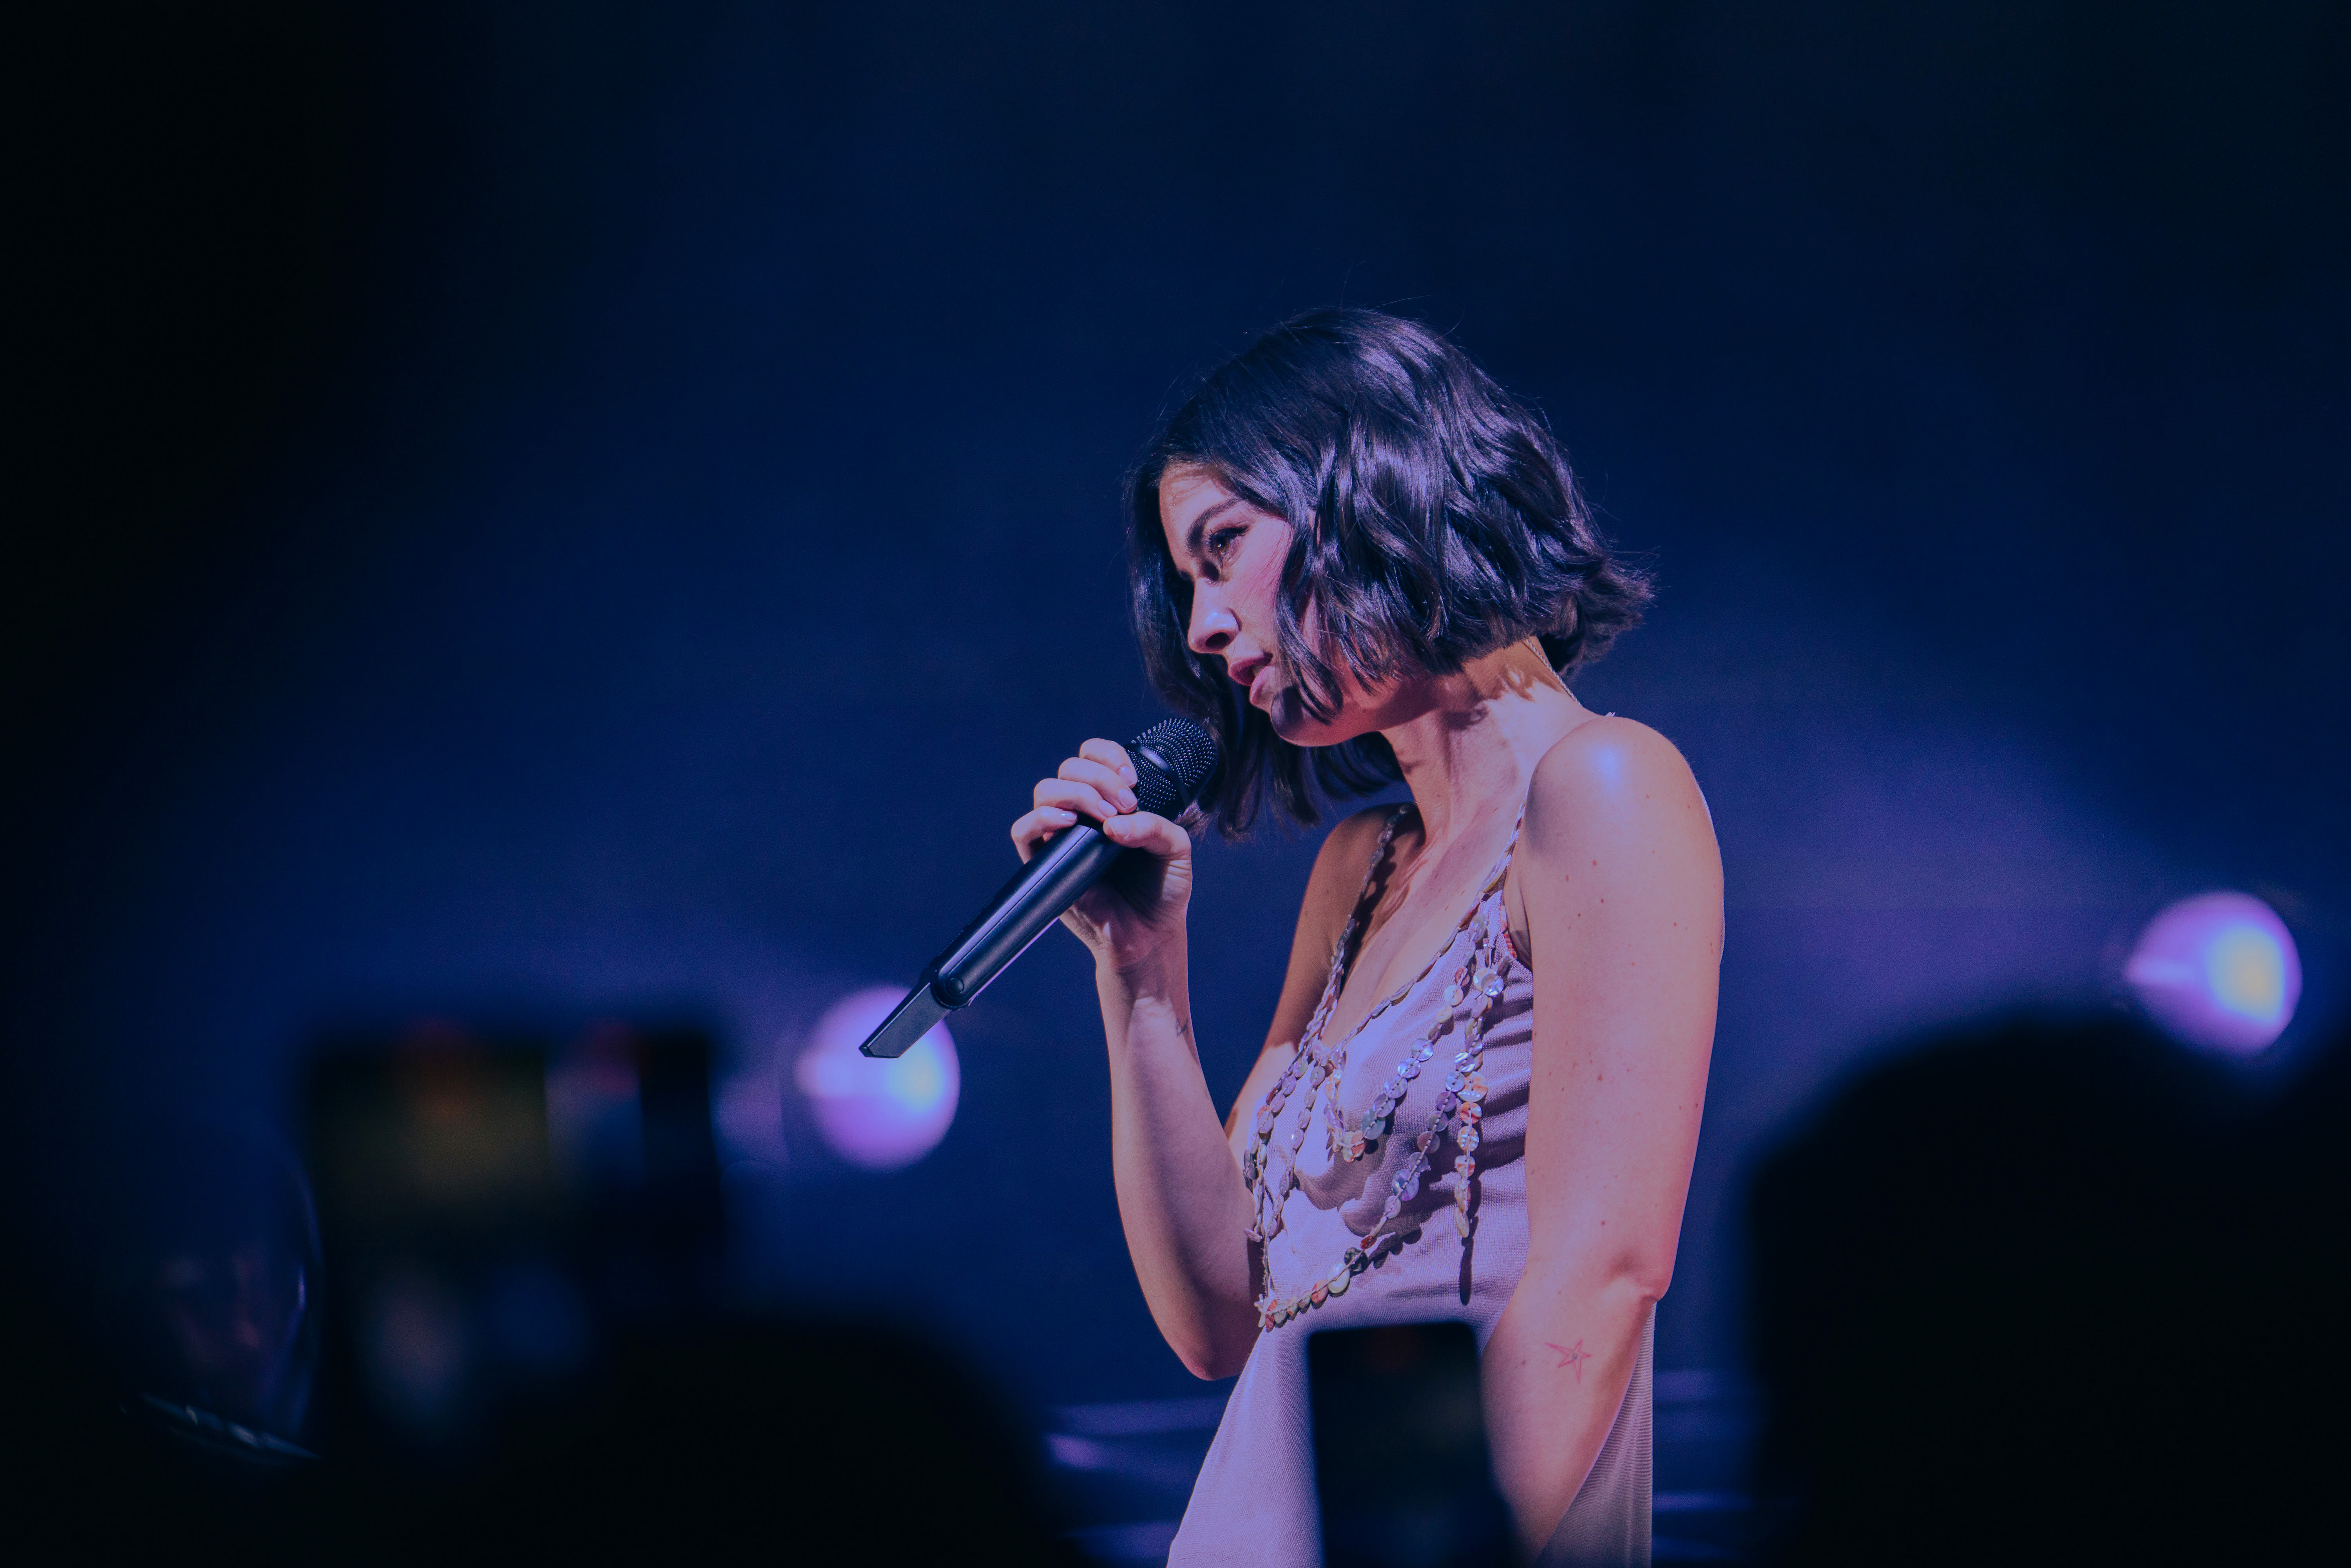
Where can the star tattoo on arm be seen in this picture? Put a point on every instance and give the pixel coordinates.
(1573, 1355)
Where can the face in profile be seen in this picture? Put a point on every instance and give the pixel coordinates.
(1233, 554)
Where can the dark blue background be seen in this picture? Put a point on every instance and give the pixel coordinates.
(610, 507)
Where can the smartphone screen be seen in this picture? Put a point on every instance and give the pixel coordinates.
(1401, 1466)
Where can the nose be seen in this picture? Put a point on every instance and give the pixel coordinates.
(1214, 625)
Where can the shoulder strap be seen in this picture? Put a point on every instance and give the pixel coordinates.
(1371, 880)
(1337, 976)
(1503, 866)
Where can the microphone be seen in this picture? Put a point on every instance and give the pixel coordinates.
(1171, 759)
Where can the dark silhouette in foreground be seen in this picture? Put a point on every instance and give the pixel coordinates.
(2057, 1292)
(765, 1442)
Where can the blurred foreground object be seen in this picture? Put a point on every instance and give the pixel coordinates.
(525, 1356)
(816, 1441)
(795, 1441)
(495, 1208)
(208, 1307)
(2218, 970)
(2056, 1293)
(1403, 1477)
(880, 1114)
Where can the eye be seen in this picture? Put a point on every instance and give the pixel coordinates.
(1221, 541)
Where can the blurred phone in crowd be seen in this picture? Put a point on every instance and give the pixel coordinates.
(1401, 1466)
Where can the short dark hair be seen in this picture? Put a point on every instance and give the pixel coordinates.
(1435, 518)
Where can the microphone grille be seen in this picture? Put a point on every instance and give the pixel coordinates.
(1171, 759)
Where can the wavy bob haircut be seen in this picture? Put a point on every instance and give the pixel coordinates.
(1434, 520)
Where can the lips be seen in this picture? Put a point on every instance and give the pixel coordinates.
(1250, 673)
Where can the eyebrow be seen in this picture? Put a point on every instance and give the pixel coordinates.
(1200, 524)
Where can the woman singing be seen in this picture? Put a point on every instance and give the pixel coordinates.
(1356, 558)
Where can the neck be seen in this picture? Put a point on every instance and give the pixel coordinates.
(1468, 743)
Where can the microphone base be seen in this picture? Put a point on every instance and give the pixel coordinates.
(908, 1022)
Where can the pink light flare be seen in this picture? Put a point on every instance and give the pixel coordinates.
(2218, 970)
(882, 1115)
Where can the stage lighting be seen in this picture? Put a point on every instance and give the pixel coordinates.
(2218, 970)
(880, 1114)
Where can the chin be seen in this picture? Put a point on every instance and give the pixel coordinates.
(1291, 721)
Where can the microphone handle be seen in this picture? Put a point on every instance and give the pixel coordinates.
(1069, 864)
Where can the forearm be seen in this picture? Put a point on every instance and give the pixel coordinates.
(1180, 1197)
(1555, 1371)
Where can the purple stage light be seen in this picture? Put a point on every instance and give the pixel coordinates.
(880, 1114)
(2219, 970)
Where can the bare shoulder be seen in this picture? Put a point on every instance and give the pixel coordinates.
(1339, 869)
(1612, 779)
(1347, 854)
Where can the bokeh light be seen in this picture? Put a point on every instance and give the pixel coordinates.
(2219, 970)
(878, 1114)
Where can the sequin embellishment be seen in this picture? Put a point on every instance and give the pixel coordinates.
(1456, 1114)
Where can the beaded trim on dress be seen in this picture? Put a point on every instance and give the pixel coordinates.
(1318, 1066)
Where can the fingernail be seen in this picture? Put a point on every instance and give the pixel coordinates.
(1126, 797)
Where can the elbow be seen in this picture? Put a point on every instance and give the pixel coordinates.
(1646, 1276)
(1640, 1275)
(1635, 1276)
(1210, 1353)
(1209, 1368)
(1210, 1363)
(1650, 1285)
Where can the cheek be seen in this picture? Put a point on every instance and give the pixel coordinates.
(1258, 587)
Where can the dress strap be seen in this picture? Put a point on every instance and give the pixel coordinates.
(1513, 847)
(1501, 871)
(1379, 856)
(1332, 981)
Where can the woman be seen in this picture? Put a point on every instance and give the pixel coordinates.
(1356, 560)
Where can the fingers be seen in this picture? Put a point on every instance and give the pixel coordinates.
(1095, 788)
(1153, 834)
(1070, 796)
(1110, 755)
(1135, 830)
(1034, 828)
(1108, 781)
(1097, 783)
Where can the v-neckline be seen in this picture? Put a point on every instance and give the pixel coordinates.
(1335, 987)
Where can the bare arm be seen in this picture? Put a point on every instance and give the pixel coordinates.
(1623, 889)
(1175, 1167)
(1180, 1197)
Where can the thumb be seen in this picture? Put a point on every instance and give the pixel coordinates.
(1150, 832)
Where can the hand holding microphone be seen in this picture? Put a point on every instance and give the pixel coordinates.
(1139, 903)
(1106, 817)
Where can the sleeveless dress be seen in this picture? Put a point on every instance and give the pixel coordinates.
(1391, 1188)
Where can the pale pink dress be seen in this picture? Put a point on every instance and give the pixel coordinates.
(1254, 1504)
